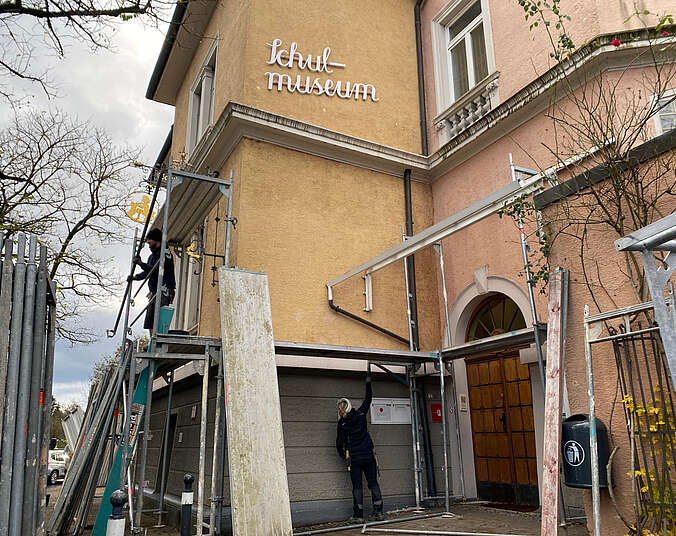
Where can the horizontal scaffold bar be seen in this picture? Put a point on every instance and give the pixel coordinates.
(190, 347)
(519, 337)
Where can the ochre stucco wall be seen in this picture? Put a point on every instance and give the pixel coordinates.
(376, 42)
(305, 220)
(230, 23)
(210, 320)
(377, 47)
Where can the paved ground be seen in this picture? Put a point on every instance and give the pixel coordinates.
(472, 518)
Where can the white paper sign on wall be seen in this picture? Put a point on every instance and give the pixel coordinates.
(390, 411)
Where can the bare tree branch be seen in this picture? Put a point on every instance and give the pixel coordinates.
(69, 186)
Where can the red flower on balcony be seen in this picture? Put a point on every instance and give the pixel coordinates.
(616, 43)
(665, 33)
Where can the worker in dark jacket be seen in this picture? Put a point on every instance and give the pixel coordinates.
(168, 289)
(355, 446)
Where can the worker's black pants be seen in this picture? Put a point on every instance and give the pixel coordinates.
(370, 470)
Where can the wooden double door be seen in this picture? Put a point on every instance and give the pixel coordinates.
(503, 432)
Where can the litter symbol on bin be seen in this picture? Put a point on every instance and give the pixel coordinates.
(574, 453)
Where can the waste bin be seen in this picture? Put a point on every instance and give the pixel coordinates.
(576, 453)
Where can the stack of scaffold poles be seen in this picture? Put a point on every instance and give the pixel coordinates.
(27, 327)
(90, 457)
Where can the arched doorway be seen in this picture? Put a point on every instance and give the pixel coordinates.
(501, 408)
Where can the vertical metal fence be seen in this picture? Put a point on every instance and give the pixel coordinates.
(648, 401)
(27, 327)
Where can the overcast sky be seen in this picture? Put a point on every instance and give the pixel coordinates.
(108, 88)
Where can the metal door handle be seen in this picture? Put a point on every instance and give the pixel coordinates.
(503, 420)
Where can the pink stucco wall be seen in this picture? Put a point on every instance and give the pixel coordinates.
(495, 242)
(520, 54)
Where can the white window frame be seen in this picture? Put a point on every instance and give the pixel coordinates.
(666, 95)
(200, 110)
(442, 44)
(190, 300)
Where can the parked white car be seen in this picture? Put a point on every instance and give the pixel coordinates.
(57, 465)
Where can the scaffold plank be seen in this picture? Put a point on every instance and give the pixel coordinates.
(259, 488)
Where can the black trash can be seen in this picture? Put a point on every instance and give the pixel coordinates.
(576, 454)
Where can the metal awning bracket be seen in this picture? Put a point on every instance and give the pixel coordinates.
(368, 292)
(225, 189)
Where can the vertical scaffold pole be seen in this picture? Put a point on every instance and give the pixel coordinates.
(12, 389)
(203, 440)
(224, 447)
(525, 248)
(45, 418)
(442, 391)
(228, 223)
(16, 509)
(440, 250)
(162, 261)
(128, 474)
(5, 317)
(411, 374)
(144, 445)
(165, 452)
(132, 375)
(153, 342)
(36, 397)
(415, 431)
(218, 442)
(593, 440)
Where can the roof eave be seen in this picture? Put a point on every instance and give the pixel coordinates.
(167, 46)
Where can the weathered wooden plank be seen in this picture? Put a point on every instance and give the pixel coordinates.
(258, 483)
(552, 433)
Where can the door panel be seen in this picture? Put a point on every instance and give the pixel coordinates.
(502, 429)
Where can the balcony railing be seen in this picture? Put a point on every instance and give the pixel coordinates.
(468, 109)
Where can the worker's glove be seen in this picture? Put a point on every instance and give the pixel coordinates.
(368, 378)
(137, 260)
(130, 278)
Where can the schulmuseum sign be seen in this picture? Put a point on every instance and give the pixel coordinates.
(317, 68)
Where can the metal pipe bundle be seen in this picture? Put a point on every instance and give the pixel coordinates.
(27, 310)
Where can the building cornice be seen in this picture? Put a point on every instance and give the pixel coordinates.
(635, 157)
(239, 121)
(592, 59)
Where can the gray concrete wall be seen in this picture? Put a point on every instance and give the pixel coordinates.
(319, 485)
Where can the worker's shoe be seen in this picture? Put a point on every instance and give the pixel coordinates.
(377, 504)
(355, 520)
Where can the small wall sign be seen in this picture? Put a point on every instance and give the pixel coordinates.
(574, 453)
(312, 84)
